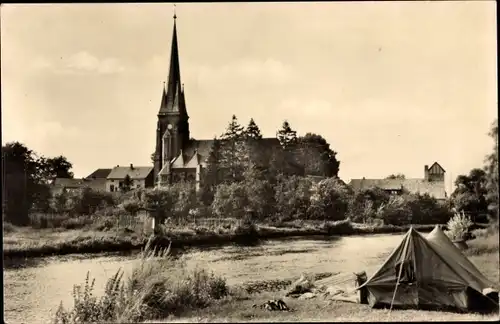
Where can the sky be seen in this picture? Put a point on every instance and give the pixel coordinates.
(391, 86)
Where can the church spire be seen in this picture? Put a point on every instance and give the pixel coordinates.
(174, 76)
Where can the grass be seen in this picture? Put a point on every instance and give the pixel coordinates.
(104, 234)
(158, 286)
(483, 252)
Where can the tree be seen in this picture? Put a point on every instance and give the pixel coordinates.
(231, 200)
(292, 196)
(491, 169)
(396, 176)
(331, 200)
(286, 161)
(21, 182)
(316, 156)
(127, 184)
(470, 193)
(52, 168)
(252, 131)
(287, 136)
(212, 174)
(233, 154)
(257, 155)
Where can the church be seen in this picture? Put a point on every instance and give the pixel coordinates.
(177, 156)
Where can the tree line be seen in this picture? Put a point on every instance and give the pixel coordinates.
(242, 152)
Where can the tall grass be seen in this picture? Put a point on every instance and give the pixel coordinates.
(159, 286)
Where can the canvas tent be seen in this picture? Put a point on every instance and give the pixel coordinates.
(425, 274)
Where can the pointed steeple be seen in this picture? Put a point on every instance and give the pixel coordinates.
(173, 85)
(174, 74)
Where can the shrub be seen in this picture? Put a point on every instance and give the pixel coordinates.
(365, 203)
(230, 200)
(8, 227)
(40, 221)
(458, 227)
(88, 201)
(330, 201)
(157, 287)
(395, 212)
(131, 206)
(292, 196)
(343, 227)
(260, 197)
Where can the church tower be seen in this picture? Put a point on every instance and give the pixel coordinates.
(172, 130)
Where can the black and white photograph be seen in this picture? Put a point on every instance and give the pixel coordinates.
(329, 161)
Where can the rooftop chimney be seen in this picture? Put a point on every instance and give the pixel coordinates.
(131, 166)
(426, 173)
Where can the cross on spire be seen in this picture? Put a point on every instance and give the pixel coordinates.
(175, 16)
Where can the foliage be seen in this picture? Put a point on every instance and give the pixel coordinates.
(231, 200)
(316, 156)
(365, 203)
(131, 206)
(260, 194)
(252, 131)
(57, 167)
(184, 199)
(21, 182)
(211, 175)
(127, 184)
(292, 196)
(491, 169)
(158, 286)
(395, 212)
(287, 136)
(286, 161)
(458, 226)
(233, 153)
(331, 200)
(470, 193)
(26, 178)
(88, 201)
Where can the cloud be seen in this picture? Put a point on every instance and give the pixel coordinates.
(84, 62)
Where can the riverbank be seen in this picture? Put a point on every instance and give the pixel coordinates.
(29, 242)
(483, 252)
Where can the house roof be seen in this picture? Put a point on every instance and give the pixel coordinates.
(433, 188)
(137, 172)
(438, 165)
(99, 174)
(203, 147)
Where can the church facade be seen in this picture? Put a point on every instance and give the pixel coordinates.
(177, 156)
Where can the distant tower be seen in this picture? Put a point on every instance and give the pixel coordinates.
(172, 115)
(435, 173)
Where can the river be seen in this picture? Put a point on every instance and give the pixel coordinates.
(34, 288)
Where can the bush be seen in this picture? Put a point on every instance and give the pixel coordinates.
(40, 221)
(87, 201)
(330, 201)
(364, 204)
(293, 197)
(230, 200)
(8, 227)
(260, 198)
(458, 227)
(395, 212)
(343, 227)
(157, 287)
